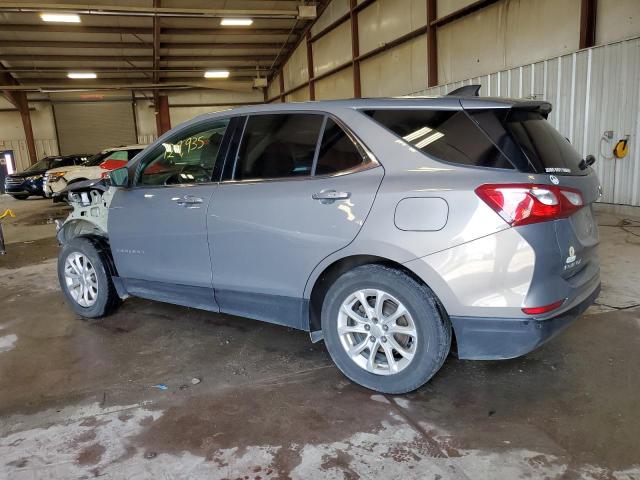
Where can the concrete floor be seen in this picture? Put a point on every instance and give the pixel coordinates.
(77, 398)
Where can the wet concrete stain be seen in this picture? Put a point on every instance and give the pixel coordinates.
(91, 455)
(22, 254)
(281, 415)
(340, 462)
(46, 217)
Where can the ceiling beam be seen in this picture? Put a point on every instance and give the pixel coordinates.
(233, 85)
(60, 81)
(65, 70)
(135, 58)
(58, 44)
(128, 10)
(138, 45)
(229, 31)
(37, 28)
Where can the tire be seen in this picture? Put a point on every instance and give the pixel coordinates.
(20, 197)
(105, 299)
(432, 329)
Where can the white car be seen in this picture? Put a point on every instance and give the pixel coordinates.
(57, 179)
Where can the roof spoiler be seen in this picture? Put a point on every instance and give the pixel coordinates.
(465, 91)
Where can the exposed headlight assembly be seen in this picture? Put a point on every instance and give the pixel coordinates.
(54, 177)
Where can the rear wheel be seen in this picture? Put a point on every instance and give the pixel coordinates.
(384, 330)
(20, 197)
(85, 279)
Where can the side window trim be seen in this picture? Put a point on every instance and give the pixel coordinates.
(220, 169)
(318, 146)
(238, 146)
(158, 149)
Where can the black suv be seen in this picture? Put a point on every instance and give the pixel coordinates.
(24, 184)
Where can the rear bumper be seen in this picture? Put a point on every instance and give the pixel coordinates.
(482, 338)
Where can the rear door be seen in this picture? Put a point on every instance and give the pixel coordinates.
(157, 229)
(298, 189)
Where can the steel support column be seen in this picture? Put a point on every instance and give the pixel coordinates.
(588, 23)
(312, 87)
(432, 44)
(355, 49)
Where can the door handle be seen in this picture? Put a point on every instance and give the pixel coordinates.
(330, 196)
(188, 201)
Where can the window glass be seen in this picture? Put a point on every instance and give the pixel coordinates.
(186, 160)
(447, 135)
(542, 146)
(337, 151)
(133, 153)
(118, 155)
(60, 162)
(278, 146)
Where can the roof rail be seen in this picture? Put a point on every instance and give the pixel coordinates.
(466, 91)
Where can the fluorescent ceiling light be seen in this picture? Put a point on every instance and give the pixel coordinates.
(236, 22)
(60, 17)
(216, 74)
(81, 75)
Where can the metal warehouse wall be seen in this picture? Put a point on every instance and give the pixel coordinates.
(592, 91)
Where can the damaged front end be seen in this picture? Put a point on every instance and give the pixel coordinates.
(90, 201)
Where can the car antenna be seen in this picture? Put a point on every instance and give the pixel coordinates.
(466, 91)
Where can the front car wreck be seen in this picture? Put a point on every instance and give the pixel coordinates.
(90, 201)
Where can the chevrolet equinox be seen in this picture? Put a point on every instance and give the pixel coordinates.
(389, 228)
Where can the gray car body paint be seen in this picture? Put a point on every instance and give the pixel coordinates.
(261, 246)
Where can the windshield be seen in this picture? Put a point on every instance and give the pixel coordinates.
(43, 164)
(96, 160)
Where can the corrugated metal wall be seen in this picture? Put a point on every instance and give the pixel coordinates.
(592, 91)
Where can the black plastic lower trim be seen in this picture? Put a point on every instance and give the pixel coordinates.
(481, 338)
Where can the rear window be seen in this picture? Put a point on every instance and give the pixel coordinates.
(499, 138)
(447, 135)
(544, 148)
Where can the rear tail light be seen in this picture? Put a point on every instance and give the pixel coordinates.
(545, 309)
(525, 203)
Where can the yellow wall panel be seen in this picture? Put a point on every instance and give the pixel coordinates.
(386, 20)
(617, 20)
(338, 85)
(335, 10)
(295, 70)
(333, 49)
(398, 71)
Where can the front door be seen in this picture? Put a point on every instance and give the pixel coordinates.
(300, 190)
(157, 228)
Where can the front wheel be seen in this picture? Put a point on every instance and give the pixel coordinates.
(85, 279)
(20, 197)
(384, 330)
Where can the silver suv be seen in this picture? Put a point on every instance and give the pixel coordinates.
(390, 228)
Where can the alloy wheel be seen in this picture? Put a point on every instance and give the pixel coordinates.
(377, 331)
(81, 279)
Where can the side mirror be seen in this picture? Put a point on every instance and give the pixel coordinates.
(590, 160)
(119, 177)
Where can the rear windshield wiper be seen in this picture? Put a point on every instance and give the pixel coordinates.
(587, 162)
